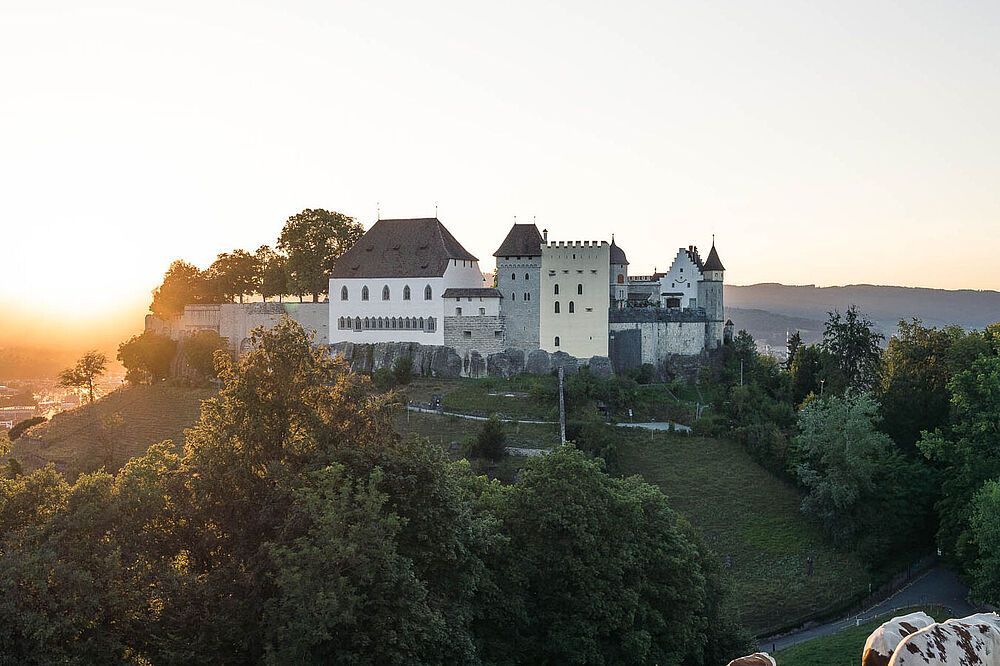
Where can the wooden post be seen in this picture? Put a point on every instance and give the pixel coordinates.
(562, 409)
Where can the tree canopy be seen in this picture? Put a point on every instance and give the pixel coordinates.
(313, 240)
(82, 375)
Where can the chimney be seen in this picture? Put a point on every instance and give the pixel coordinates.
(545, 235)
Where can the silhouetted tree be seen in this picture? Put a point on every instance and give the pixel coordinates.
(313, 241)
(82, 375)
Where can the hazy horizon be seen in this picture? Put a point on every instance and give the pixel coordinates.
(847, 144)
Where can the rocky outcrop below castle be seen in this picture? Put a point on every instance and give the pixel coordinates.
(438, 361)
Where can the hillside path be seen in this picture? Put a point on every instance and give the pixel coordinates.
(937, 586)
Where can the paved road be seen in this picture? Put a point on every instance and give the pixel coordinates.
(938, 586)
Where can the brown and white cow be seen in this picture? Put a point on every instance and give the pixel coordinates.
(755, 659)
(969, 641)
(883, 641)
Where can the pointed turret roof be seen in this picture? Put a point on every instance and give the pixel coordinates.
(523, 240)
(617, 254)
(713, 263)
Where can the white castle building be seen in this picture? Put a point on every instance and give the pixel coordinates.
(412, 281)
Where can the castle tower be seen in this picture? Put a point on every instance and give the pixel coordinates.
(710, 298)
(618, 276)
(519, 265)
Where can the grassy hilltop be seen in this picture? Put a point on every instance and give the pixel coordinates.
(741, 509)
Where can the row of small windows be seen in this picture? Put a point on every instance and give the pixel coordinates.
(572, 307)
(579, 289)
(524, 297)
(428, 293)
(513, 276)
(387, 323)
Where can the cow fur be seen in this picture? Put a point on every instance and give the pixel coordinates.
(755, 659)
(969, 641)
(883, 641)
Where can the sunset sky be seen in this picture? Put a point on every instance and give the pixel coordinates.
(826, 143)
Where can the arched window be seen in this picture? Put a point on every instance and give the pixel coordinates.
(579, 289)
(406, 292)
(364, 293)
(421, 323)
(427, 293)
(525, 276)
(407, 323)
(513, 296)
(621, 279)
(513, 277)
(555, 290)
(557, 307)
(381, 322)
(572, 309)
(385, 293)
(357, 323)
(430, 324)
(343, 293)
(557, 341)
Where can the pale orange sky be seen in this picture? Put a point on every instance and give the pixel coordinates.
(825, 143)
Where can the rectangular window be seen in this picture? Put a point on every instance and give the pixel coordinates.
(466, 334)
(458, 312)
(482, 311)
(497, 334)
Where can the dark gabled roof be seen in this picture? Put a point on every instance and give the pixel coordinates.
(473, 292)
(713, 263)
(419, 247)
(617, 254)
(523, 240)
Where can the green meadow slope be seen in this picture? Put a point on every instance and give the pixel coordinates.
(747, 514)
(112, 430)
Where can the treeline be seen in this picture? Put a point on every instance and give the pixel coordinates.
(297, 527)
(306, 251)
(897, 447)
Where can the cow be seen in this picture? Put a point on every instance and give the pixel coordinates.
(969, 641)
(755, 659)
(883, 641)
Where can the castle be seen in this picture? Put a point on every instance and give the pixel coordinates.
(411, 281)
(410, 284)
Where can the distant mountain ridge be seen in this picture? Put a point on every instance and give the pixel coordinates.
(766, 310)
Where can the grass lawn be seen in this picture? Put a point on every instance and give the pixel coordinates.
(844, 648)
(752, 517)
(84, 439)
(446, 429)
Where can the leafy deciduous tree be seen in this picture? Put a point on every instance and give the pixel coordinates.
(82, 375)
(313, 240)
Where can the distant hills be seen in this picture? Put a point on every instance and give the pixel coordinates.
(767, 310)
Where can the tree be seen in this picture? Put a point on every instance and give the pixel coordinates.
(791, 347)
(853, 341)
(182, 284)
(146, 357)
(591, 570)
(82, 375)
(313, 240)
(402, 370)
(491, 440)
(273, 273)
(854, 476)
(19, 427)
(984, 526)
(200, 350)
(233, 275)
(815, 371)
(914, 390)
(967, 452)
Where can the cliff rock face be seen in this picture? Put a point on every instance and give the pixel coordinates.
(506, 364)
(437, 361)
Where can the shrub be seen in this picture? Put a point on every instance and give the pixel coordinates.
(21, 426)
(491, 440)
(402, 369)
(384, 379)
